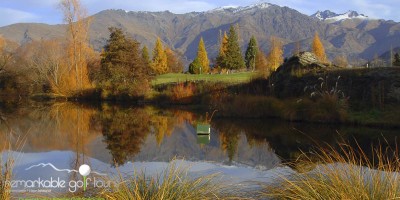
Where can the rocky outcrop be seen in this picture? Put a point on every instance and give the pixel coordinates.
(364, 87)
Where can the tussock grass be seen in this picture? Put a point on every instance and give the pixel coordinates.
(347, 173)
(173, 183)
(5, 176)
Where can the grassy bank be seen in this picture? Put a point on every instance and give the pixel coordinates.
(226, 78)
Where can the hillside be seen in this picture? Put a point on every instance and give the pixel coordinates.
(357, 38)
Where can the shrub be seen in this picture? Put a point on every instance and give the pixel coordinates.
(183, 92)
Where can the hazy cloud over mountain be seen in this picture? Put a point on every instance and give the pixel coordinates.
(45, 11)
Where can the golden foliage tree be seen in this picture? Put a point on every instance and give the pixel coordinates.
(318, 48)
(5, 55)
(202, 56)
(222, 50)
(77, 77)
(275, 56)
(262, 64)
(160, 61)
(175, 64)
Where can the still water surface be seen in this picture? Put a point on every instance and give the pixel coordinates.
(49, 141)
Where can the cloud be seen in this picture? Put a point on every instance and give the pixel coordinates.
(10, 16)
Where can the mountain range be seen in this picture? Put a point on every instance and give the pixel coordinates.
(354, 35)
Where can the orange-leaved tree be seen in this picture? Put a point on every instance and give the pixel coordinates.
(275, 56)
(318, 48)
(77, 77)
(160, 61)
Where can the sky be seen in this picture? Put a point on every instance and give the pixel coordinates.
(47, 11)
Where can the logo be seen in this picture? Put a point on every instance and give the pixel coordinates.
(84, 170)
(49, 183)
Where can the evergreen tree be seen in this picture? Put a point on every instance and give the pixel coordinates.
(203, 58)
(233, 55)
(159, 63)
(318, 48)
(222, 51)
(122, 70)
(195, 66)
(251, 53)
(275, 56)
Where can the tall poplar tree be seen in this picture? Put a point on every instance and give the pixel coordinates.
(202, 57)
(251, 53)
(275, 56)
(160, 61)
(318, 48)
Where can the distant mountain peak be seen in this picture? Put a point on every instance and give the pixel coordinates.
(330, 16)
(235, 9)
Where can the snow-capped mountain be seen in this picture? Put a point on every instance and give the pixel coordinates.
(236, 9)
(330, 16)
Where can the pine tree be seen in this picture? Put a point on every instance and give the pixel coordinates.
(203, 58)
(318, 48)
(275, 56)
(122, 71)
(222, 51)
(234, 59)
(251, 53)
(160, 61)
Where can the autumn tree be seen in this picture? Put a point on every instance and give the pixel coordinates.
(5, 54)
(122, 67)
(203, 58)
(318, 48)
(251, 53)
(160, 61)
(174, 63)
(233, 55)
(222, 51)
(78, 47)
(46, 60)
(275, 56)
(262, 64)
(146, 56)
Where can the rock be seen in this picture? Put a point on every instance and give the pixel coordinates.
(303, 62)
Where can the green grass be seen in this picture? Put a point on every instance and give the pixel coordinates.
(228, 78)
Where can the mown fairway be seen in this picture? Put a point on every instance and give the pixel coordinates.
(228, 78)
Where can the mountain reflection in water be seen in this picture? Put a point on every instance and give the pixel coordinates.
(116, 135)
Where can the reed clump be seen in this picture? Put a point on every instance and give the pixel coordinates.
(342, 173)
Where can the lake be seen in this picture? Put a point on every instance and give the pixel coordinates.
(51, 141)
